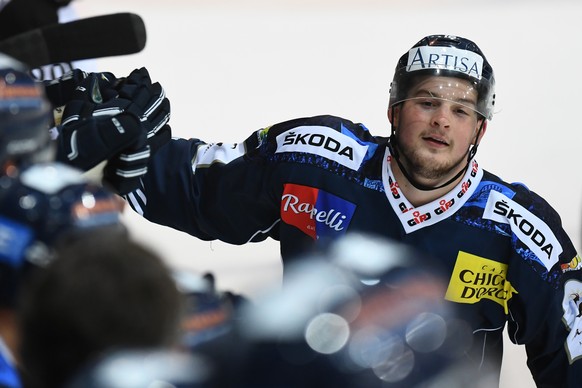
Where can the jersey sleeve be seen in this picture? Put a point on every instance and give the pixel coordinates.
(232, 192)
(546, 312)
(209, 190)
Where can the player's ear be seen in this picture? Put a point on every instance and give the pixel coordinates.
(393, 113)
(483, 130)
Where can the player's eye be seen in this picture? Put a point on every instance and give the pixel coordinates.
(462, 111)
(428, 102)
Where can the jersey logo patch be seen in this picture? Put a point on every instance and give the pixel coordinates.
(574, 265)
(475, 278)
(572, 305)
(323, 141)
(530, 230)
(450, 58)
(315, 212)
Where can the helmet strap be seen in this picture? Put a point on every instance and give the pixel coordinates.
(473, 150)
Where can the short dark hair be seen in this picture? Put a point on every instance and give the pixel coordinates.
(102, 292)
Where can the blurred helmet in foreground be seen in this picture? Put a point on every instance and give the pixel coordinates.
(25, 116)
(367, 313)
(144, 368)
(43, 206)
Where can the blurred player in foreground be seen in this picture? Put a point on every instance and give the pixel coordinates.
(42, 204)
(340, 321)
(103, 293)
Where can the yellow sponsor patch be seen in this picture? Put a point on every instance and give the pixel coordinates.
(574, 265)
(263, 133)
(475, 278)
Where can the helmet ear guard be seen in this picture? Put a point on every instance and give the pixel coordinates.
(445, 56)
(25, 116)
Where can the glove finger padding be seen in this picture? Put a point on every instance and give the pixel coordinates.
(138, 77)
(86, 143)
(149, 103)
(78, 110)
(156, 119)
(123, 172)
(126, 86)
(144, 97)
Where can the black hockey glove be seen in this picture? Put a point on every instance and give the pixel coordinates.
(123, 129)
(91, 133)
(139, 89)
(123, 172)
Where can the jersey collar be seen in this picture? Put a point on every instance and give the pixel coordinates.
(414, 218)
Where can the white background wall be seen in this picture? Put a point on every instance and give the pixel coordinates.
(230, 67)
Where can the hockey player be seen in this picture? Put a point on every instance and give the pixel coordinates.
(25, 115)
(327, 328)
(46, 206)
(41, 203)
(308, 181)
(103, 293)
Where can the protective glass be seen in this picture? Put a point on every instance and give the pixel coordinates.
(434, 89)
(462, 92)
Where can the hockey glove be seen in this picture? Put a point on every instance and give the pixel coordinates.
(153, 106)
(137, 77)
(123, 172)
(86, 143)
(92, 132)
(62, 90)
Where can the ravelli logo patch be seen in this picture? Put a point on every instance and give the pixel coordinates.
(475, 278)
(530, 230)
(323, 141)
(314, 211)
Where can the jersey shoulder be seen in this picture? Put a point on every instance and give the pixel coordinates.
(335, 123)
(326, 137)
(515, 210)
(517, 192)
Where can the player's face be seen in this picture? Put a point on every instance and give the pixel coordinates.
(436, 126)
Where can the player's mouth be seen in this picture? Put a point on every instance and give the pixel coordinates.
(435, 140)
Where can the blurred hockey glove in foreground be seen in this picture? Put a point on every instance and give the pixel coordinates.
(96, 127)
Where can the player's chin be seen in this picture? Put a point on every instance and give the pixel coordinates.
(433, 165)
(433, 157)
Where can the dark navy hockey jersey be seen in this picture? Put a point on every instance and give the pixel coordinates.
(311, 180)
(9, 377)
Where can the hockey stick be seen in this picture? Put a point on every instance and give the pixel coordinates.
(95, 37)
